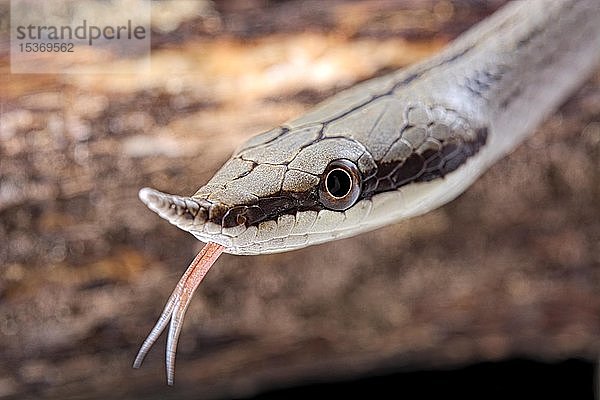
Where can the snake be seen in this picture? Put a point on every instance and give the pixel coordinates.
(388, 149)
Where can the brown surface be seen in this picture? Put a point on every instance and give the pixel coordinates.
(512, 267)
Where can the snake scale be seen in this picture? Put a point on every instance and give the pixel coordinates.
(387, 149)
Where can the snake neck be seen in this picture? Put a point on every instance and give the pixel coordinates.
(515, 68)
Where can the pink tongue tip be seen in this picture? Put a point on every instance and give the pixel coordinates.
(174, 311)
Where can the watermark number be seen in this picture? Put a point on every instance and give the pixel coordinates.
(46, 47)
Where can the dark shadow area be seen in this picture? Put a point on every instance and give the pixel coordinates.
(510, 379)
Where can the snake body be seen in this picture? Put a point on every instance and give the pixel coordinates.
(400, 145)
(388, 149)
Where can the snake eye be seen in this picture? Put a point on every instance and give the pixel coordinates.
(340, 187)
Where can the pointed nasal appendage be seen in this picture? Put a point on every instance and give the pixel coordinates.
(181, 211)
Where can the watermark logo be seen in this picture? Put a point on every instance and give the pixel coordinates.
(80, 36)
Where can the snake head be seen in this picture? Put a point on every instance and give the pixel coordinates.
(317, 179)
(304, 184)
(281, 190)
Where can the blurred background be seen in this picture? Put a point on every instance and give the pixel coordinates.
(499, 287)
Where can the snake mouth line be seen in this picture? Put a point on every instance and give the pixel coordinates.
(190, 214)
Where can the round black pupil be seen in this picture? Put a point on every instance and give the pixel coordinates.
(338, 183)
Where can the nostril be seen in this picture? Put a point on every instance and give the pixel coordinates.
(234, 217)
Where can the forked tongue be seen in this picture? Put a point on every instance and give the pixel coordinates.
(177, 305)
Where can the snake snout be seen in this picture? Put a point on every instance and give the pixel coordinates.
(184, 212)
